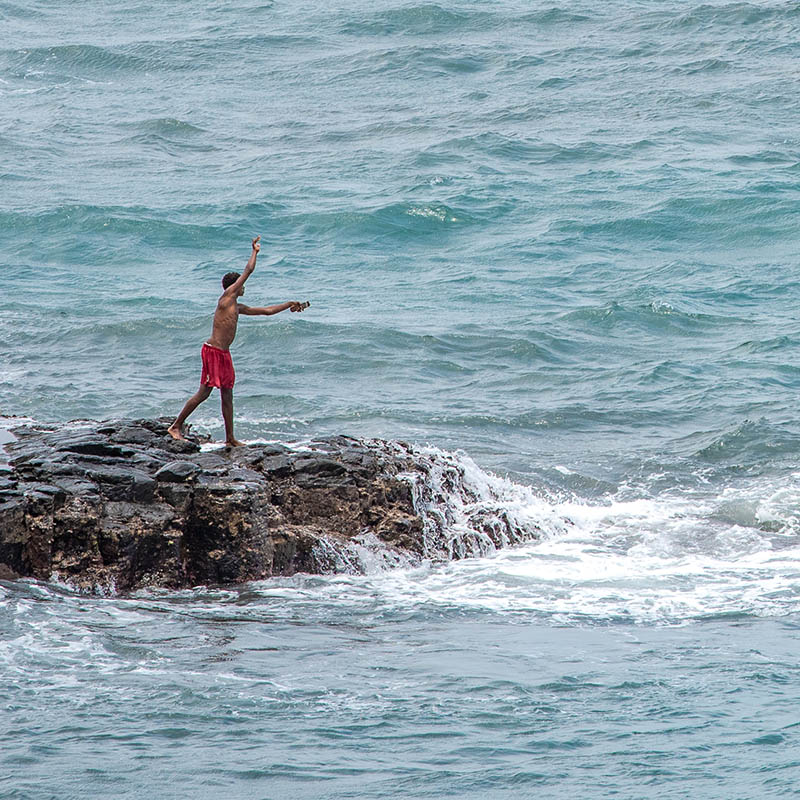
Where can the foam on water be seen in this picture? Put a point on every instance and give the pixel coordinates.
(667, 559)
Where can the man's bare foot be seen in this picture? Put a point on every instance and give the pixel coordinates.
(233, 443)
(176, 433)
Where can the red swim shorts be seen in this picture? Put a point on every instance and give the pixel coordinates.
(217, 367)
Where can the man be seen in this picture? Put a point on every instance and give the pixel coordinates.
(217, 362)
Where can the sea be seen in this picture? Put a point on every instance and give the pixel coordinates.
(557, 242)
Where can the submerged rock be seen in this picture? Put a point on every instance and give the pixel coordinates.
(119, 505)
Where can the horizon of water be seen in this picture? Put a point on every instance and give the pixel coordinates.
(557, 244)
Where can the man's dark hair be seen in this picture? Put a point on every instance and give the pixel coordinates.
(229, 279)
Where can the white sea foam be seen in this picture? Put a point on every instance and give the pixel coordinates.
(470, 512)
(668, 559)
(438, 213)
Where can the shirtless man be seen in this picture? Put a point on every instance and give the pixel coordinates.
(217, 362)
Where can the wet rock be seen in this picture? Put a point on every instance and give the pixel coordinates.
(273, 450)
(318, 466)
(177, 472)
(121, 483)
(317, 471)
(43, 489)
(211, 462)
(91, 446)
(276, 466)
(133, 434)
(120, 505)
(178, 446)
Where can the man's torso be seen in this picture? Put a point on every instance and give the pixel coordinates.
(226, 318)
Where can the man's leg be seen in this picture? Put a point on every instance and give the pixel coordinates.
(227, 415)
(176, 429)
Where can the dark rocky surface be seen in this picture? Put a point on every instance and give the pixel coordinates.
(119, 505)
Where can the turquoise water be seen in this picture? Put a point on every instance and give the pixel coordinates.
(560, 241)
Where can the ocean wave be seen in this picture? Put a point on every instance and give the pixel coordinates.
(77, 221)
(176, 52)
(425, 19)
(759, 219)
(733, 15)
(360, 346)
(23, 11)
(166, 126)
(67, 58)
(751, 442)
(195, 53)
(170, 144)
(397, 219)
(555, 15)
(211, 225)
(412, 63)
(656, 318)
(774, 344)
(665, 559)
(704, 65)
(761, 157)
(524, 150)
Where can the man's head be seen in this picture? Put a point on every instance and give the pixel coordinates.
(229, 279)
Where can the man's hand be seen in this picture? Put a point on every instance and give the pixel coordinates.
(295, 306)
(257, 244)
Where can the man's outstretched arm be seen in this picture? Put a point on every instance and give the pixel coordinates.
(267, 311)
(233, 289)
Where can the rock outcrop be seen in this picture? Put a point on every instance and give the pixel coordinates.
(119, 505)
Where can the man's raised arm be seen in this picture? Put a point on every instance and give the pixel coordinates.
(233, 289)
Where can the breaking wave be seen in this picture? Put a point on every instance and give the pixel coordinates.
(493, 545)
